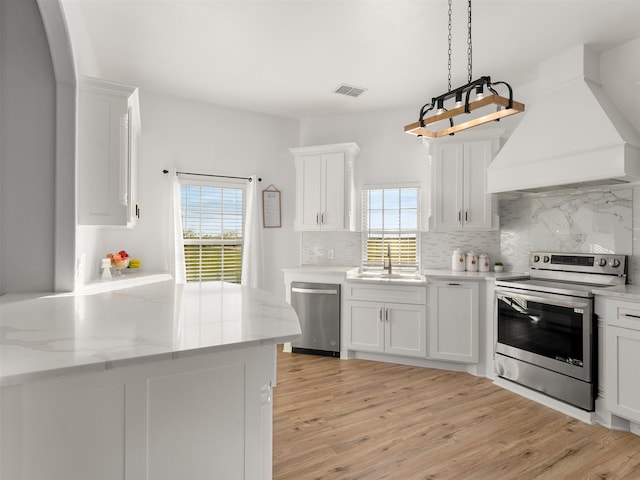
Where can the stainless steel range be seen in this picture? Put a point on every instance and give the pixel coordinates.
(546, 331)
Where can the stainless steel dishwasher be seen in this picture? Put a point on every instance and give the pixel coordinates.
(318, 308)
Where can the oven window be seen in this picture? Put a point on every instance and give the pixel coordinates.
(548, 330)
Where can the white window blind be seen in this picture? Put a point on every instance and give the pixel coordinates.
(391, 219)
(212, 226)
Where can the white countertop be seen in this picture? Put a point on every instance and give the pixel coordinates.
(624, 292)
(444, 273)
(93, 329)
(319, 269)
(350, 273)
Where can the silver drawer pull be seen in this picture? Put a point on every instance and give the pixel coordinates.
(622, 314)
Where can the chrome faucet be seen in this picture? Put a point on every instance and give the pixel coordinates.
(389, 267)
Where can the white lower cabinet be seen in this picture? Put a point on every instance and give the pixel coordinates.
(386, 319)
(622, 358)
(199, 417)
(453, 321)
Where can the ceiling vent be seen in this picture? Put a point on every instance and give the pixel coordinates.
(350, 90)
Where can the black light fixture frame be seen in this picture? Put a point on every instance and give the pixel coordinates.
(505, 106)
(464, 90)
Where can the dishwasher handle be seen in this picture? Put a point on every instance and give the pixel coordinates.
(319, 291)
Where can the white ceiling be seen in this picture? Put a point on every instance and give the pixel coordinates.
(285, 58)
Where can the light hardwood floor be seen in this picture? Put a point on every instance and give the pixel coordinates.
(355, 419)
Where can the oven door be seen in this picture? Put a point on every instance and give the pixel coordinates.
(548, 330)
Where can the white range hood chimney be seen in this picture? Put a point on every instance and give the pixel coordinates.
(571, 135)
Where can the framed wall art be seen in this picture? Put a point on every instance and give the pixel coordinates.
(271, 207)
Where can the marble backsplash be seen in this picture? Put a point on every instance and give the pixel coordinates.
(597, 221)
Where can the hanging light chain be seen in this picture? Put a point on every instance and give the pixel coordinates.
(449, 51)
(469, 48)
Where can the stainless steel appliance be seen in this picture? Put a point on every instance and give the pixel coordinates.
(318, 309)
(546, 331)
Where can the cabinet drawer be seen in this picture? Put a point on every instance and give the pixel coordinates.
(386, 293)
(622, 314)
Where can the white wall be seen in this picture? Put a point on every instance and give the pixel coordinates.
(198, 137)
(27, 151)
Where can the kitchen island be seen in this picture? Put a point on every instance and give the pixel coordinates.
(154, 380)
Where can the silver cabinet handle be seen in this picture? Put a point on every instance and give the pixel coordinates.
(380, 314)
(317, 219)
(459, 216)
(466, 215)
(386, 314)
(453, 284)
(323, 220)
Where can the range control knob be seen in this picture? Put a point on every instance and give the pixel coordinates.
(615, 263)
(602, 262)
(546, 259)
(536, 258)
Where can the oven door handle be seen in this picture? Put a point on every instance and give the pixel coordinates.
(546, 300)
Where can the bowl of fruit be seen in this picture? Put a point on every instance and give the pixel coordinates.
(119, 260)
(122, 262)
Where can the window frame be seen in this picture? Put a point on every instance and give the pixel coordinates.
(212, 182)
(396, 252)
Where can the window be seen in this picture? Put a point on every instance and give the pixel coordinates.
(391, 220)
(212, 226)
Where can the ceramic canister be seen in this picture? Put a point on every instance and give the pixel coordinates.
(457, 261)
(483, 263)
(472, 262)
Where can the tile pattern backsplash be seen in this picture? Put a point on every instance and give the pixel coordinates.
(597, 221)
(436, 248)
(345, 246)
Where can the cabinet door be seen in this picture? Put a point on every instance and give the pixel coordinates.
(325, 192)
(365, 326)
(405, 329)
(108, 127)
(476, 202)
(309, 173)
(333, 208)
(101, 145)
(453, 321)
(622, 378)
(448, 195)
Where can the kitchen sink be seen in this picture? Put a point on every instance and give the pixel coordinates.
(376, 275)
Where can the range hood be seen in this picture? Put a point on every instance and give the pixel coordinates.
(571, 135)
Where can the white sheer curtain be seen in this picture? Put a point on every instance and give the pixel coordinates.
(252, 258)
(178, 270)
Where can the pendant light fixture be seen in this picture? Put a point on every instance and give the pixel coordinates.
(463, 100)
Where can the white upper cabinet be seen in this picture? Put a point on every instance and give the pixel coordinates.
(460, 201)
(325, 196)
(108, 131)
